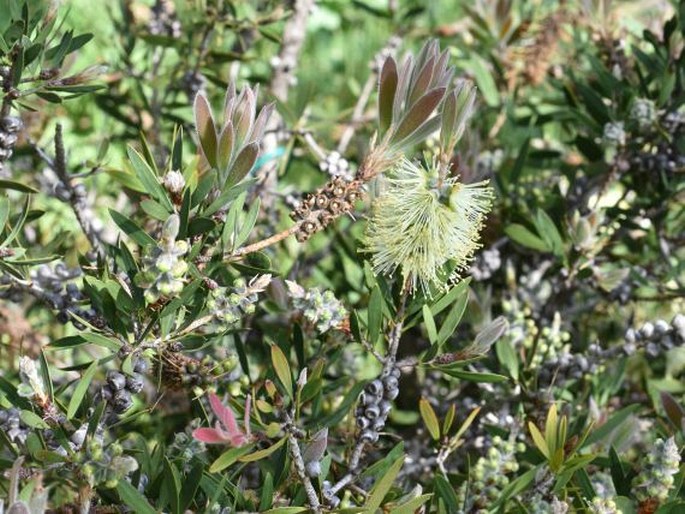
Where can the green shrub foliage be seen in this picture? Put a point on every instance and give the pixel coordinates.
(366, 256)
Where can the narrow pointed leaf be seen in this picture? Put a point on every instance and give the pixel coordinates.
(449, 119)
(133, 498)
(423, 80)
(260, 123)
(429, 418)
(243, 163)
(262, 454)
(81, 389)
(206, 128)
(387, 86)
(282, 367)
(148, 179)
(249, 223)
(244, 115)
(317, 447)
(229, 457)
(225, 148)
(418, 114)
(538, 439)
(383, 485)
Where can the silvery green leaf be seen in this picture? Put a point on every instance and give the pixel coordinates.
(244, 115)
(260, 123)
(316, 448)
(206, 128)
(423, 80)
(243, 163)
(225, 147)
(490, 334)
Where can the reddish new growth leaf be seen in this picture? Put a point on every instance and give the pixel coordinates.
(226, 429)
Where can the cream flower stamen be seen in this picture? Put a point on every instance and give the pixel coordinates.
(420, 223)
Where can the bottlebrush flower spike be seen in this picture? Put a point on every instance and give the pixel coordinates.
(226, 429)
(421, 222)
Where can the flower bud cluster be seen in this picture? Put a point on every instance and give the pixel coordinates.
(12, 425)
(653, 153)
(549, 343)
(75, 194)
(323, 310)
(229, 304)
(656, 337)
(331, 499)
(603, 506)
(320, 208)
(566, 365)
(643, 112)
(9, 132)
(59, 292)
(336, 166)
(185, 447)
(119, 387)
(614, 134)
(164, 268)
(489, 476)
(104, 466)
(163, 20)
(656, 477)
(179, 370)
(174, 182)
(375, 404)
(486, 264)
(538, 504)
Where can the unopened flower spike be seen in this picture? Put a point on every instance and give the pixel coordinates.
(422, 222)
(226, 430)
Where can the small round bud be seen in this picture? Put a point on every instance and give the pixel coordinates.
(134, 384)
(363, 422)
(369, 436)
(140, 366)
(372, 412)
(313, 468)
(392, 393)
(390, 383)
(122, 401)
(174, 182)
(375, 387)
(661, 327)
(647, 330)
(116, 380)
(378, 424)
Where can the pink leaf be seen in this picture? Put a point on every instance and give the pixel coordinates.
(238, 440)
(225, 415)
(208, 435)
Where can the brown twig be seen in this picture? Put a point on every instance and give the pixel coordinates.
(264, 243)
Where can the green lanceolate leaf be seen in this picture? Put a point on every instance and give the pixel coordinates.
(282, 368)
(206, 128)
(81, 389)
